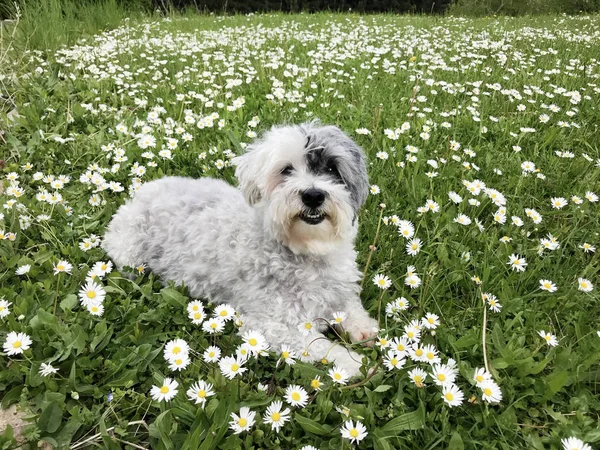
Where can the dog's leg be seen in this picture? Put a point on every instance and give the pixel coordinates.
(314, 347)
(360, 326)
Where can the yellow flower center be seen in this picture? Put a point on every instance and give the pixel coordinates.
(276, 417)
(479, 378)
(308, 325)
(337, 376)
(195, 308)
(178, 361)
(197, 316)
(213, 325)
(487, 391)
(315, 384)
(103, 267)
(242, 422)
(223, 313)
(431, 320)
(394, 362)
(17, 344)
(2, 308)
(94, 309)
(295, 396)
(354, 432)
(449, 396)
(430, 355)
(410, 334)
(547, 337)
(338, 319)
(60, 267)
(211, 354)
(202, 393)
(176, 350)
(324, 361)
(584, 284)
(91, 294)
(441, 377)
(418, 379)
(252, 342)
(235, 367)
(419, 352)
(400, 347)
(285, 355)
(164, 389)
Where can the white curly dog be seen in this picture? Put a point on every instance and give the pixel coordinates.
(280, 251)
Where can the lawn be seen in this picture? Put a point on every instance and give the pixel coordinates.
(479, 237)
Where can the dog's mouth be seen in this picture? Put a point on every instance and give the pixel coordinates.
(312, 217)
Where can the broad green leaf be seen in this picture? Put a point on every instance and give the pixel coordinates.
(312, 426)
(50, 418)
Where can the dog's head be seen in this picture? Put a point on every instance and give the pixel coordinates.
(310, 181)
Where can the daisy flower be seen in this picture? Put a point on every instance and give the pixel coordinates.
(413, 246)
(275, 416)
(230, 366)
(288, 355)
(412, 281)
(558, 202)
(166, 392)
(316, 383)
(452, 395)
(355, 433)
(175, 349)
(393, 360)
(102, 268)
(443, 375)
(491, 392)
(430, 354)
(63, 266)
(400, 346)
(462, 219)
(224, 312)
(212, 354)
(517, 263)
(4, 310)
(587, 248)
(199, 392)
(95, 309)
(406, 229)
(296, 396)
(573, 443)
(550, 338)
(243, 422)
(22, 270)
(255, 341)
(214, 325)
(585, 285)
(339, 375)
(481, 375)
(382, 281)
(431, 321)
(418, 376)
(92, 292)
(339, 317)
(179, 363)
(306, 328)
(47, 369)
(16, 343)
(547, 285)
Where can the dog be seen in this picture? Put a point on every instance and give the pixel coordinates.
(281, 251)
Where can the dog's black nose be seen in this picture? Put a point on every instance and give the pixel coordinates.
(313, 198)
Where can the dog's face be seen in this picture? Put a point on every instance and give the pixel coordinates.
(310, 181)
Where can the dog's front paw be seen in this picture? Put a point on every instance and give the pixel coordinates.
(362, 330)
(350, 361)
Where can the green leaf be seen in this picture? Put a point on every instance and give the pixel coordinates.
(382, 388)
(456, 442)
(50, 418)
(409, 421)
(69, 302)
(556, 380)
(312, 426)
(174, 297)
(11, 396)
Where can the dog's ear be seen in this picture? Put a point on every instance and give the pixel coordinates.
(246, 171)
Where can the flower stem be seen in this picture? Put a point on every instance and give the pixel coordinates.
(372, 247)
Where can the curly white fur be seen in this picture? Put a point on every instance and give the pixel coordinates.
(254, 250)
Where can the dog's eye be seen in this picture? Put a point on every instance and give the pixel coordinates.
(332, 169)
(287, 170)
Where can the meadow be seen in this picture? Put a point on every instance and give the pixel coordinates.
(478, 240)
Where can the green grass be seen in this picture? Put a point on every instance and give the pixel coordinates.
(87, 91)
